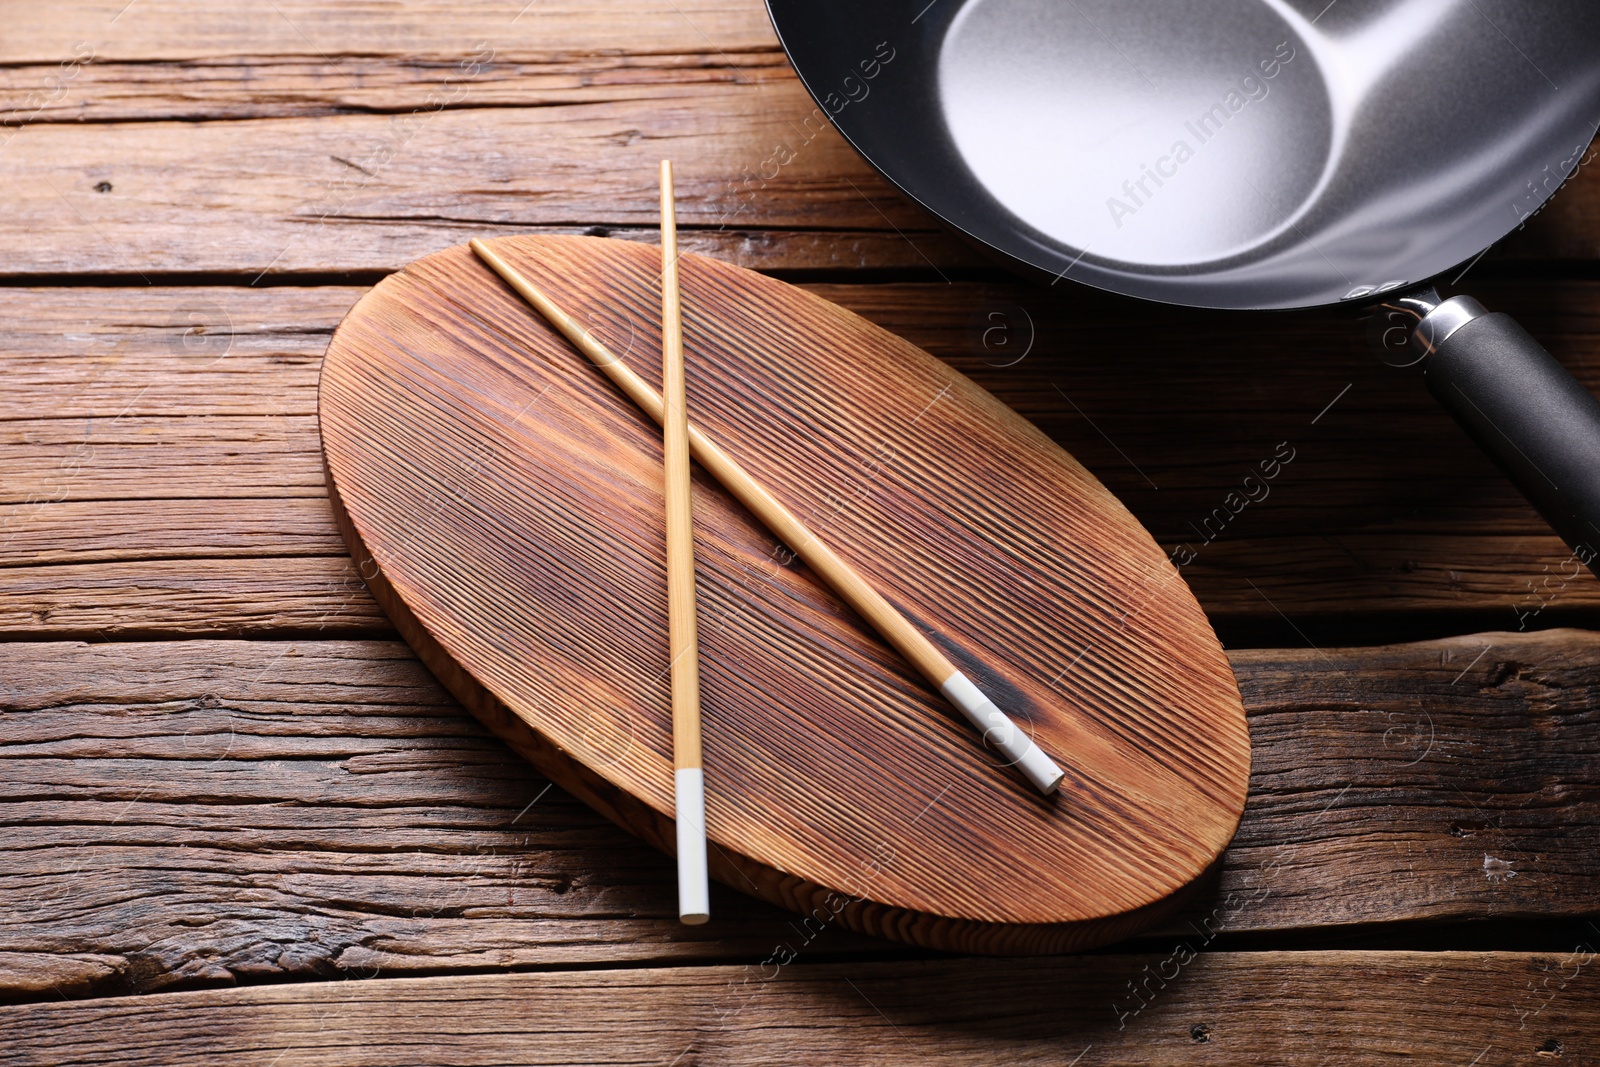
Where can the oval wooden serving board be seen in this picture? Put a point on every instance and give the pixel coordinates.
(505, 502)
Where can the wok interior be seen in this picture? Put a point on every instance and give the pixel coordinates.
(1170, 148)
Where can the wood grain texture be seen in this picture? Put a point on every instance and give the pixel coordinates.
(205, 813)
(345, 32)
(144, 426)
(323, 597)
(504, 500)
(1252, 1007)
(283, 84)
(365, 192)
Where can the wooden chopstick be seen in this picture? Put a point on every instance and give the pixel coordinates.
(689, 783)
(997, 727)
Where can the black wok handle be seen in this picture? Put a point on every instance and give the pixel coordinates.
(1524, 410)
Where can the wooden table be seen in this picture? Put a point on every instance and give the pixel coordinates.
(243, 823)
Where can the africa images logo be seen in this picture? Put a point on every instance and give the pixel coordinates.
(1137, 192)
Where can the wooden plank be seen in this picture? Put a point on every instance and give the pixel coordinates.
(1423, 780)
(339, 33)
(1312, 1009)
(261, 84)
(368, 192)
(143, 426)
(205, 812)
(101, 531)
(57, 459)
(321, 596)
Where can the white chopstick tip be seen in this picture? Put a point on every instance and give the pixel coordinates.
(694, 885)
(1041, 770)
(1000, 731)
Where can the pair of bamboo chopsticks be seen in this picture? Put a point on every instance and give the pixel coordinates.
(670, 412)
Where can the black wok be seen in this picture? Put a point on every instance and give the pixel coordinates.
(1251, 154)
